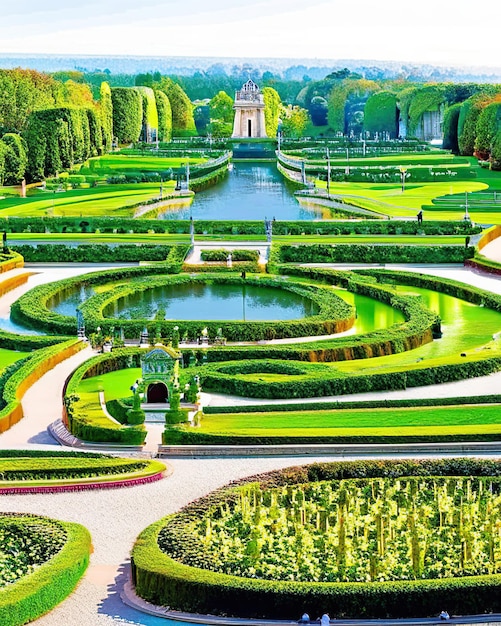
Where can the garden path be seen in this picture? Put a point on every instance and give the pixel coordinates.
(493, 250)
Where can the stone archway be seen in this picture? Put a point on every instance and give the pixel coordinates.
(157, 393)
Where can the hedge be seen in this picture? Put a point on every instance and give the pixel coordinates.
(360, 404)
(188, 436)
(127, 114)
(39, 592)
(332, 384)
(443, 285)
(163, 581)
(236, 255)
(17, 378)
(334, 314)
(225, 227)
(373, 253)
(31, 309)
(92, 253)
(10, 261)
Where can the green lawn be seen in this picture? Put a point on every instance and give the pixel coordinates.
(171, 238)
(114, 384)
(123, 163)
(348, 422)
(109, 200)
(10, 356)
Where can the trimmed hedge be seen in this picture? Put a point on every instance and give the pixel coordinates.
(10, 260)
(163, 581)
(360, 404)
(92, 253)
(17, 378)
(335, 314)
(236, 255)
(333, 384)
(225, 227)
(39, 592)
(373, 253)
(31, 309)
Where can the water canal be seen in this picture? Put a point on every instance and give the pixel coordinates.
(250, 191)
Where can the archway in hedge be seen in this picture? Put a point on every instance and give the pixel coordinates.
(157, 393)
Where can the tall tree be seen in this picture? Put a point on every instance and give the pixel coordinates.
(271, 110)
(127, 114)
(106, 116)
(182, 109)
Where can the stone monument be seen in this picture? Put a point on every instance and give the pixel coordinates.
(249, 112)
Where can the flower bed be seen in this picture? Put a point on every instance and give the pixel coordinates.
(367, 539)
(43, 561)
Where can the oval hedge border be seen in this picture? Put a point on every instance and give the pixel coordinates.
(165, 582)
(37, 593)
(335, 315)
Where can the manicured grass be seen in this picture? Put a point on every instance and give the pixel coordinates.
(124, 162)
(107, 238)
(462, 418)
(59, 470)
(170, 238)
(389, 199)
(10, 356)
(109, 200)
(114, 384)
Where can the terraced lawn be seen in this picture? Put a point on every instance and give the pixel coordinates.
(110, 200)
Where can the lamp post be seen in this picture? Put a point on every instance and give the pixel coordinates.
(328, 174)
(347, 170)
(466, 214)
(403, 175)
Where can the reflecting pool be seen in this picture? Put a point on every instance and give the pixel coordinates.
(250, 191)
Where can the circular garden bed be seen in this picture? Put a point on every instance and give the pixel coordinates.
(366, 539)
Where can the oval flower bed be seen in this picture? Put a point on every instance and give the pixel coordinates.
(387, 539)
(41, 562)
(38, 471)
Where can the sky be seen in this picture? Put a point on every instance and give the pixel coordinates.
(438, 32)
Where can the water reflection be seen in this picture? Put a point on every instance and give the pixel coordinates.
(201, 301)
(66, 301)
(251, 191)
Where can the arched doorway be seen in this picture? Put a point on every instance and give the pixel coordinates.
(157, 393)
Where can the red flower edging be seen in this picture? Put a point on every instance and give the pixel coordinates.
(116, 484)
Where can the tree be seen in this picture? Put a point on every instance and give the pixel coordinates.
(164, 116)
(294, 120)
(105, 113)
(21, 93)
(318, 111)
(15, 158)
(487, 127)
(150, 114)
(182, 109)
(380, 113)
(450, 128)
(221, 107)
(496, 152)
(127, 114)
(271, 110)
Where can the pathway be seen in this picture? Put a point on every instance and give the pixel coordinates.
(493, 250)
